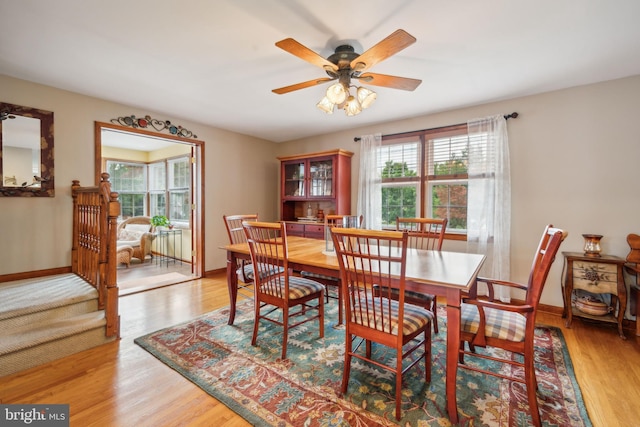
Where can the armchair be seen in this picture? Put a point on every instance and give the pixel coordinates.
(488, 323)
(137, 232)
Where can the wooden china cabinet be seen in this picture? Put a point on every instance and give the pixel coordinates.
(314, 182)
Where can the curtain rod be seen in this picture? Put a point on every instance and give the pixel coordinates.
(513, 115)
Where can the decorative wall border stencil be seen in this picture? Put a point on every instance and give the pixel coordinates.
(158, 125)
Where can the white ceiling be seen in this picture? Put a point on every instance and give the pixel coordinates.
(215, 62)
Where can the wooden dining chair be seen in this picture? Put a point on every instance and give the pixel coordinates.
(632, 266)
(275, 286)
(236, 234)
(368, 258)
(428, 234)
(331, 221)
(489, 323)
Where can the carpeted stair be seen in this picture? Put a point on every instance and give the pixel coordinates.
(47, 318)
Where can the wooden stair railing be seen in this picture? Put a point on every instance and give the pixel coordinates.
(93, 253)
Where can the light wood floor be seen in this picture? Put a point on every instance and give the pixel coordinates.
(120, 384)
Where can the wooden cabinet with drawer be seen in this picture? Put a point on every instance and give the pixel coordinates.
(596, 275)
(313, 231)
(295, 229)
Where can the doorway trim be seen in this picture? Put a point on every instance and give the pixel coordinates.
(197, 180)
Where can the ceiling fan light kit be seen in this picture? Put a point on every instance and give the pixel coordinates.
(326, 105)
(345, 64)
(339, 96)
(366, 97)
(336, 93)
(352, 106)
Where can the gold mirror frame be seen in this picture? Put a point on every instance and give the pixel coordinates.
(45, 180)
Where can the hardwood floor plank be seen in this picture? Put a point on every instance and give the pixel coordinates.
(120, 384)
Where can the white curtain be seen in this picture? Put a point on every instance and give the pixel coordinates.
(489, 198)
(370, 183)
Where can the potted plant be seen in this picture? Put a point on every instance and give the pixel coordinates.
(160, 221)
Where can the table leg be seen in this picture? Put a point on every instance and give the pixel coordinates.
(453, 347)
(232, 283)
(563, 286)
(636, 289)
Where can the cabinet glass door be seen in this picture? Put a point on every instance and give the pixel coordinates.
(321, 178)
(294, 175)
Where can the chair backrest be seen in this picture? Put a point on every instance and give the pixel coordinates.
(268, 246)
(234, 227)
(371, 260)
(137, 223)
(424, 233)
(544, 257)
(634, 245)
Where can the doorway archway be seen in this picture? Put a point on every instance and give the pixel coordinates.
(102, 133)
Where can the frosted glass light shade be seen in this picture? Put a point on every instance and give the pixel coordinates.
(326, 105)
(352, 107)
(366, 97)
(336, 93)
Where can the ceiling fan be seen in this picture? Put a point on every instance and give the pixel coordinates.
(344, 65)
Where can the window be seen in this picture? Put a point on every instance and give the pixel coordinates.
(130, 181)
(425, 174)
(179, 198)
(447, 177)
(399, 168)
(166, 183)
(157, 189)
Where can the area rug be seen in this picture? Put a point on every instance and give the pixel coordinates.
(304, 389)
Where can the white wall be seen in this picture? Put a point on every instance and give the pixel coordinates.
(575, 163)
(35, 233)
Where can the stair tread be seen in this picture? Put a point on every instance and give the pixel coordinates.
(38, 333)
(21, 297)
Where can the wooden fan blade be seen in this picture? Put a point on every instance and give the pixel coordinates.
(391, 45)
(303, 52)
(393, 82)
(302, 85)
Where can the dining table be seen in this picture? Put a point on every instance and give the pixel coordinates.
(441, 273)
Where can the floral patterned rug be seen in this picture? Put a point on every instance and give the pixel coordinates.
(304, 389)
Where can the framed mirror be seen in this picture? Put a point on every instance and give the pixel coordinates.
(26, 152)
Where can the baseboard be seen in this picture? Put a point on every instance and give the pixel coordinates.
(551, 309)
(34, 274)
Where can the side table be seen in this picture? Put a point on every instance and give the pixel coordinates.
(598, 275)
(167, 241)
